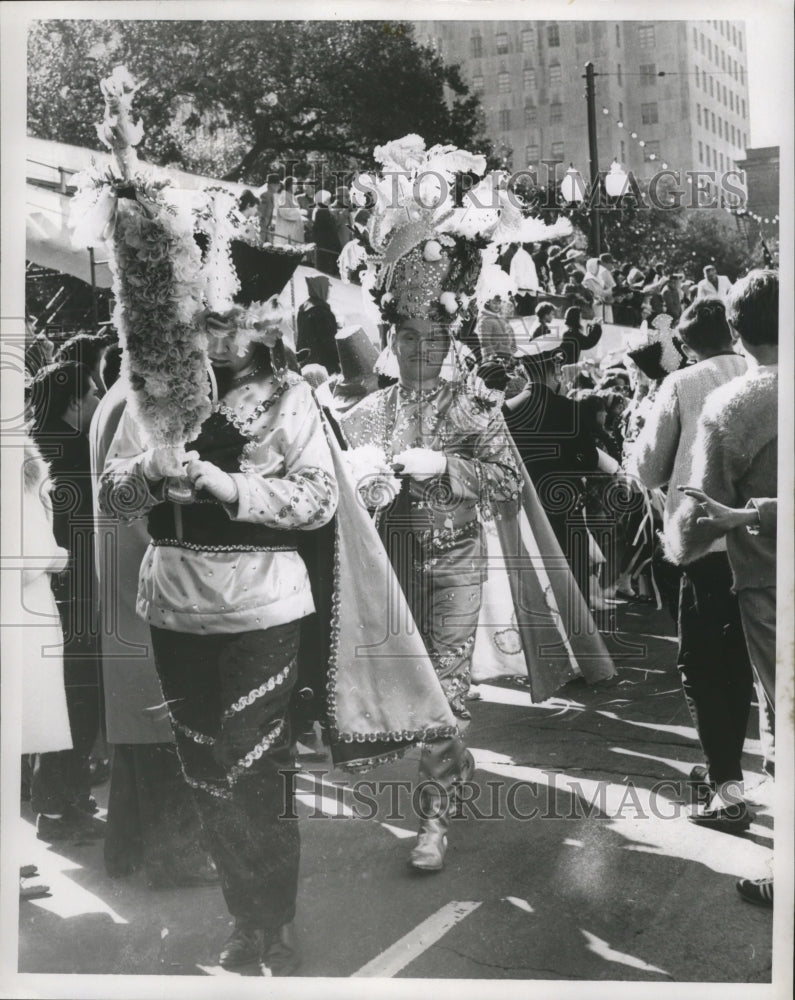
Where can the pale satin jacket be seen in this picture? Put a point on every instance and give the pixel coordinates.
(285, 481)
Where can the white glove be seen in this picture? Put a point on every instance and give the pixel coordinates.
(206, 476)
(420, 463)
(162, 462)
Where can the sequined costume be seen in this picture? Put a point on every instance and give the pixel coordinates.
(433, 530)
(223, 589)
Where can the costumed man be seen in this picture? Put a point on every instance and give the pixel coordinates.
(226, 486)
(317, 327)
(446, 439)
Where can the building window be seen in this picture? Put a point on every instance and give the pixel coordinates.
(698, 77)
(743, 103)
(528, 40)
(530, 78)
(702, 42)
(532, 153)
(720, 128)
(740, 40)
(555, 75)
(620, 81)
(734, 136)
(700, 152)
(695, 39)
(477, 84)
(709, 49)
(621, 111)
(618, 35)
(714, 123)
(555, 113)
(723, 60)
(711, 87)
(502, 44)
(651, 151)
(648, 74)
(623, 151)
(557, 150)
(698, 114)
(649, 114)
(504, 83)
(646, 36)
(553, 36)
(721, 161)
(725, 95)
(745, 141)
(581, 31)
(530, 114)
(476, 46)
(505, 119)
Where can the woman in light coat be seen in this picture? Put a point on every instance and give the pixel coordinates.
(288, 218)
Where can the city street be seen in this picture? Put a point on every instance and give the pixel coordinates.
(601, 884)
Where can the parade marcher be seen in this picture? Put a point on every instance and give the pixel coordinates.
(556, 449)
(355, 376)
(523, 271)
(713, 285)
(574, 341)
(288, 224)
(268, 201)
(713, 660)
(449, 444)
(317, 327)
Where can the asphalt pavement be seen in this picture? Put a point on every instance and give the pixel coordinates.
(573, 858)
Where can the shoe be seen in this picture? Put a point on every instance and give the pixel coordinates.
(243, 946)
(32, 888)
(281, 957)
(99, 770)
(429, 851)
(758, 891)
(700, 774)
(87, 804)
(731, 819)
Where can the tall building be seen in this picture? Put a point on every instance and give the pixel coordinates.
(675, 92)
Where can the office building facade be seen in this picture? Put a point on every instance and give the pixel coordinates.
(680, 86)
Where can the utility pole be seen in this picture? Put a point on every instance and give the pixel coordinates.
(590, 98)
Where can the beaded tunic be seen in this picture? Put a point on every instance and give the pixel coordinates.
(285, 481)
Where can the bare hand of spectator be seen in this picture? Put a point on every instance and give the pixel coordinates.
(717, 514)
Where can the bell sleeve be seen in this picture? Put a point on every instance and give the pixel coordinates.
(288, 476)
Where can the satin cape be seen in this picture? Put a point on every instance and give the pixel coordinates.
(363, 668)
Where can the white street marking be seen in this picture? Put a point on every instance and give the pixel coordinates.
(413, 944)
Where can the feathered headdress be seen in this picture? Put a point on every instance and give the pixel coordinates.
(434, 213)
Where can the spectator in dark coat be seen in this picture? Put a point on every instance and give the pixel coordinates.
(317, 328)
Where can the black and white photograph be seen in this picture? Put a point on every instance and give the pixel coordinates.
(392, 443)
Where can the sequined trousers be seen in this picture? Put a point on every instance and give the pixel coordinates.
(442, 579)
(228, 697)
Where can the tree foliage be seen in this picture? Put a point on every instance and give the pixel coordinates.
(274, 90)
